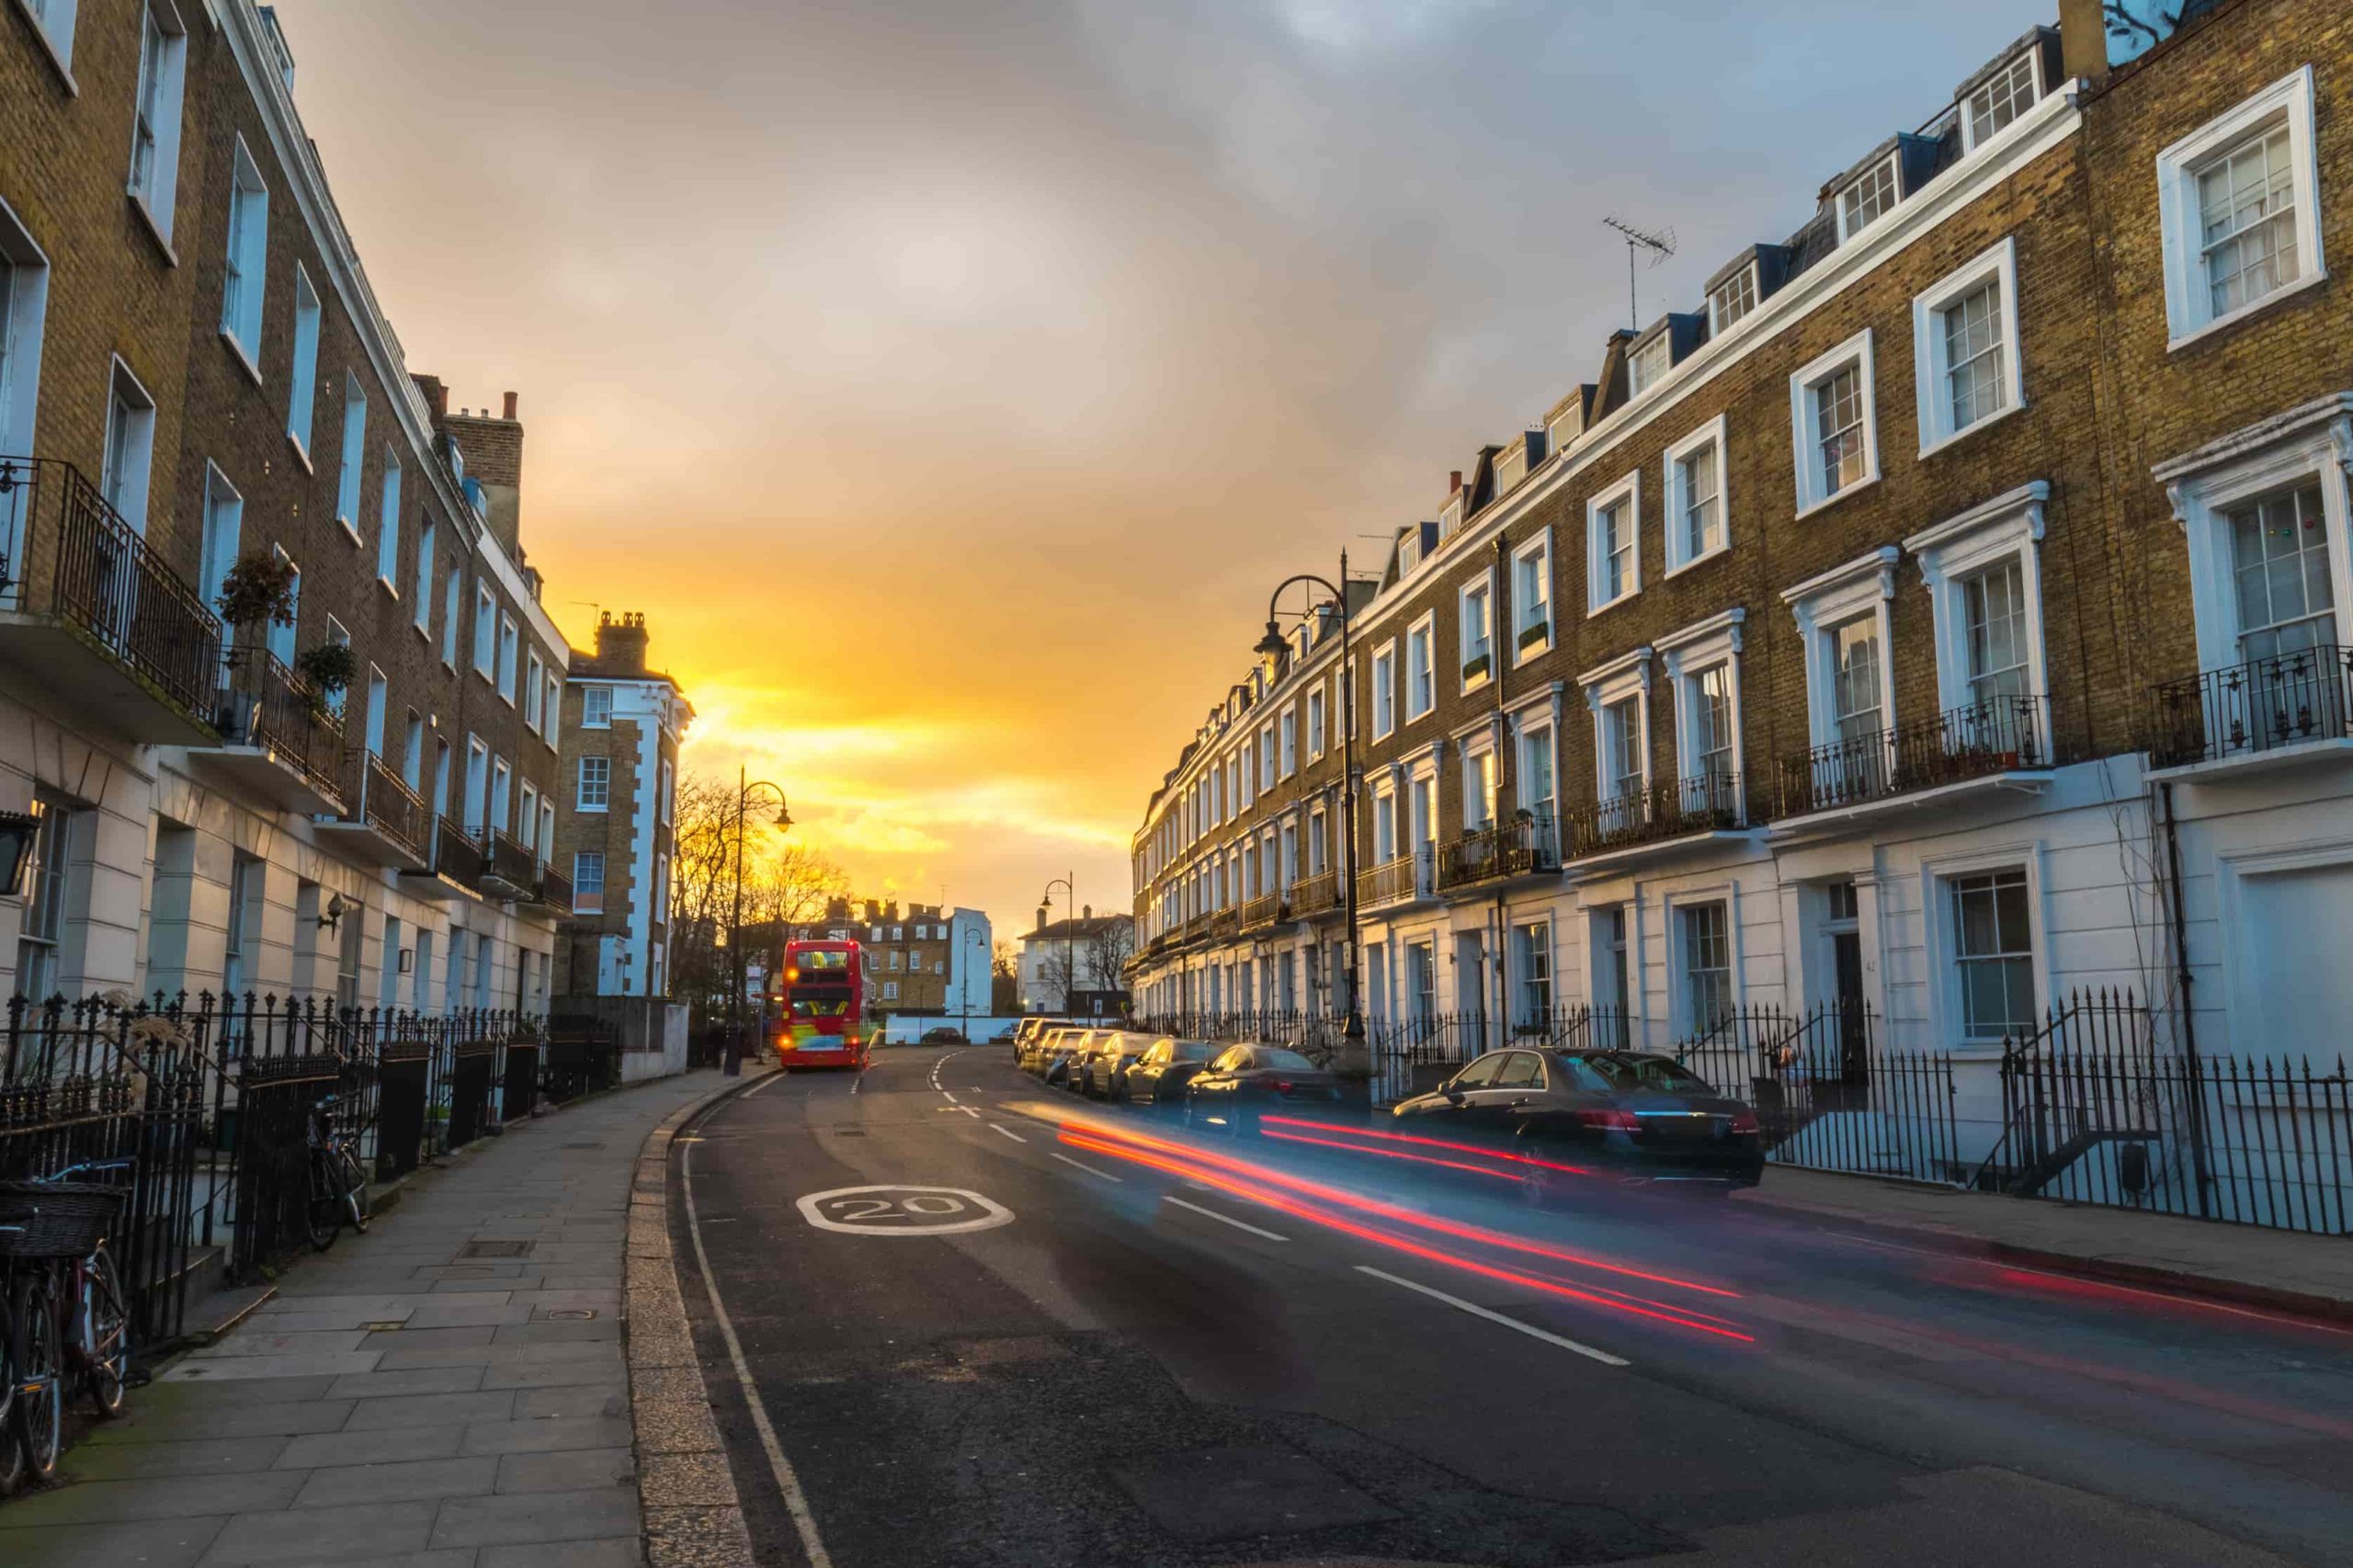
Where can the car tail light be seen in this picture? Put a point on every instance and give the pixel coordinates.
(1609, 1118)
(1284, 1085)
(1745, 1121)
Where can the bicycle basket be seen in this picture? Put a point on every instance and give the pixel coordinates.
(55, 1219)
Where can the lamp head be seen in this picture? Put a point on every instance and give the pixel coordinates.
(1272, 645)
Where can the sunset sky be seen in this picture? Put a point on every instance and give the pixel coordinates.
(948, 383)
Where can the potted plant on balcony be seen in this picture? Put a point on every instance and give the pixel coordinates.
(259, 590)
(325, 670)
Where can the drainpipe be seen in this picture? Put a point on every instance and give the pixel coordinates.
(2187, 1012)
(1503, 754)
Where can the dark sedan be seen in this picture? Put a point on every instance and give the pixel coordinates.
(1246, 1082)
(1627, 1111)
(1158, 1077)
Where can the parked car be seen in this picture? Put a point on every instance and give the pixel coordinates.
(1157, 1077)
(1028, 1032)
(1634, 1112)
(1244, 1082)
(948, 1034)
(1062, 1046)
(1031, 1056)
(1097, 1071)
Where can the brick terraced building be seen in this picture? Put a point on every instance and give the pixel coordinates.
(196, 377)
(1939, 617)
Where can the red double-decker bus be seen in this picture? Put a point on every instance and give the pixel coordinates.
(824, 1006)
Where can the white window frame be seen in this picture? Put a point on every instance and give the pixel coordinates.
(1865, 585)
(1475, 750)
(1726, 897)
(1931, 369)
(1946, 1010)
(1648, 366)
(534, 669)
(1628, 675)
(1483, 584)
(1423, 632)
(354, 457)
(279, 637)
(388, 526)
(302, 383)
(1717, 324)
(1530, 736)
(1713, 434)
(510, 646)
(453, 609)
(24, 310)
(246, 259)
(590, 718)
(1268, 769)
(1806, 438)
(132, 464)
(158, 130)
(1287, 740)
(339, 636)
(1972, 138)
(580, 889)
(1893, 165)
(550, 708)
(1627, 492)
(486, 631)
(1318, 710)
(1383, 681)
(580, 801)
(1540, 549)
(1687, 655)
(54, 24)
(426, 540)
(2303, 445)
(1986, 536)
(2188, 306)
(224, 517)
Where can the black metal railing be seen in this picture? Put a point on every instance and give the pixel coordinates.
(269, 706)
(555, 889)
(1407, 876)
(1705, 802)
(456, 854)
(505, 859)
(1526, 844)
(66, 552)
(2095, 1112)
(1262, 911)
(1222, 923)
(1316, 893)
(390, 806)
(2259, 706)
(1993, 736)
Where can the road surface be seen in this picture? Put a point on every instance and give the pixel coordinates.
(1114, 1342)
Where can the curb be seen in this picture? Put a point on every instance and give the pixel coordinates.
(692, 1517)
(2145, 1275)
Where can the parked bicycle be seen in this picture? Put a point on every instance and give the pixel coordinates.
(68, 1323)
(337, 1190)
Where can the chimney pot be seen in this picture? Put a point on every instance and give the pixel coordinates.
(510, 405)
(1453, 481)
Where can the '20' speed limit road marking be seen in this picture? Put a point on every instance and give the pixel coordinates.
(896, 1210)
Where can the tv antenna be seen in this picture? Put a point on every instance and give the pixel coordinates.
(1660, 245)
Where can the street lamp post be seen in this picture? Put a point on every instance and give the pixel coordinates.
(964, 991)
(1354, 1049)
(1070, 933)
(744, 793)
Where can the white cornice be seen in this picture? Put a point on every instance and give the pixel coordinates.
(2029, 498)
(1882, 561)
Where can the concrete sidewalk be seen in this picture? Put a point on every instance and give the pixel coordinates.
(2243, 1263)
(446, 1392)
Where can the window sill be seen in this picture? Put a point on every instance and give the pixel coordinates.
(302, 453)
(1628, 596)
(1957, 436)
(1700, 559)
(156, 229)
(1824, 502)
(1479, 683)
(245, 363)
(349, 532)
(1530, 652)
(386, 584)
(424, 633)
(48, 47)
(2223, 323)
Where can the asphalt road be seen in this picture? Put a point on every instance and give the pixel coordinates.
(1281, 1353)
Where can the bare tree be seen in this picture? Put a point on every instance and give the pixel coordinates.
(2140, 24)
(1004, 980)
(1058, 976)
(786, 883)
(1108, 952)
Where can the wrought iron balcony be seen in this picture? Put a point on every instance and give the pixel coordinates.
(1406, 877)
(96, 617)
(1998, 735)
(456, 856)
(390, 824)
(1316, 894)
(1515, 848)
(2242, 711)
(280, 740)
(509, 869)
(1225, 922)
(555, 889)
(1262, 910)
(1675, 808)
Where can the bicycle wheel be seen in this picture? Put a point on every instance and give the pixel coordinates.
(355, 1189)
(105, 1334)
(40, 1373)
(323, 1211)
(12, 1453)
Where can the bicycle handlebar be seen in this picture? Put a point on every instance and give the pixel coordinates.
(85, 1165)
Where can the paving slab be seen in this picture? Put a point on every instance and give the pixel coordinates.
(322, 1536)
(149, 1543)
(414, 1379)
(398, 1482)
(537, 1517)
(203, 1456)
(389, 1445)
(570, 1470)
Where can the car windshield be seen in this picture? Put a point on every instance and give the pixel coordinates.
(1191, 1050)
(1623, 1072)
(1289, 1061)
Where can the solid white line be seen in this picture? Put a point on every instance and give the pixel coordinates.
(1009, 1132)
(951, 1099)
(1476, 1311)
(1227, 1219)
(796, 1501)
(967, 1110)
(762, 1083)
(1090, 1170)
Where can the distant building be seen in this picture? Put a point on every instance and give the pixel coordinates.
(1074, 966)
(926, 959)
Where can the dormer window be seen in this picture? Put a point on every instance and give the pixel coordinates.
(1409, 551)
(1649, 365)
(1862, 203)
(2008, 93)
(1451, 517)
(1564, 427)
(1732, 300)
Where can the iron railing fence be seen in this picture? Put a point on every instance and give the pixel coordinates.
(555, 889)
(2245, 708)
(1828, 1097)
(390, 806)
(506, 858)
(1318, 893)
(1264, 910)
(1970, 742)
(211, 1100)
(1405, 875)
(2095, 1112)
(65, 551)
(1524, 845)
(456, 853)
(1673, 808)
(267, 704)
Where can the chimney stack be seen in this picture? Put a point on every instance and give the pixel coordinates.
(1453, 481)
(2083, 39)
(620, 643)
(510, 406)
